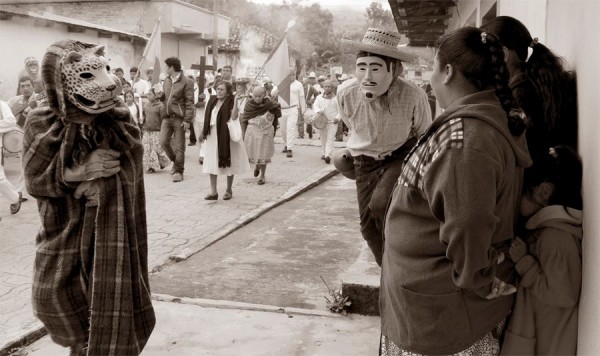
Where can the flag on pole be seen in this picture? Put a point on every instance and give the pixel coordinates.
(277, 67)
(151, 56)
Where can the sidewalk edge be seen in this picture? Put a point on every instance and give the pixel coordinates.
(226, 230)
(228, 304)
(37, 332)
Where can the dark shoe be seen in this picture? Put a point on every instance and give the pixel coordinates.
(284, 149)
(289, 154)
(14, 208)
(327, 159)
(200, 160)
(212, 196)
(256, 172)
(150, 170)
(192, 144)
(310, 137)
(177, 177)
(227, 195)
(78, 350)
(261, 181)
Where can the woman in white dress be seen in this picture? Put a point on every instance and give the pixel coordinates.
(221, 155)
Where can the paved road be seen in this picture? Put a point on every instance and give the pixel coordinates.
(179, 221)
(258, 291)
(279, 258)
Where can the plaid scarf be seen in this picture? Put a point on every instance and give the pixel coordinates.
(91, 275)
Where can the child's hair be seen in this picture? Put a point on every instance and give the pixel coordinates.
(479, 57)
(561, 167)
(128, 92)
(554, 86)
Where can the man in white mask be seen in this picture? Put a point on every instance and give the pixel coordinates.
(385, 114)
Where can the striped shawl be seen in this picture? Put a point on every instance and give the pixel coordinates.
(91, 275)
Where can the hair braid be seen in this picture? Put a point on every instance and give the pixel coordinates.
(500, 77)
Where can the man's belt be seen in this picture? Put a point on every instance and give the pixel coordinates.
(398, 152)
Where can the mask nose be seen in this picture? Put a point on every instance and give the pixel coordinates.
(111, 87)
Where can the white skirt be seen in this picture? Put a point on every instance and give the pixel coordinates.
(239, 158)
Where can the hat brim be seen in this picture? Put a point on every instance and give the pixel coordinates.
(404, 56)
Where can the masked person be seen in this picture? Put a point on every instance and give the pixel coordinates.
(385, 114)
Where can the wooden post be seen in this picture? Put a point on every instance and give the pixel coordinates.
(215, 46)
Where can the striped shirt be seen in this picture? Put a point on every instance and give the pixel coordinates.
(377, 128)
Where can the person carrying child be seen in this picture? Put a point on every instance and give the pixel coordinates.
(154, 156)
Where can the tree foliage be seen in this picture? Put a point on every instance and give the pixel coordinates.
(313, 37)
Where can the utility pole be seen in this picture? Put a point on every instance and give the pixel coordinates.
(215, 46)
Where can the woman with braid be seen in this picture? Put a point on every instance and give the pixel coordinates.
(446, 287)
(542, 87)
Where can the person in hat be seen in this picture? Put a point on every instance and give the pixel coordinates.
(310, 94)
(385, 114)
(326, 109)
(319, 85)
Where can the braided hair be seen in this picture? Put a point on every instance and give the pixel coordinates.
(548, 95)
(480, 59)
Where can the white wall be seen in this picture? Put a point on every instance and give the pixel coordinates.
(572, 31)
(20, 39)
(531, 12)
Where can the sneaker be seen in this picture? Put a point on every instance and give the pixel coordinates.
(327, 159)
(256, 172)
(177, 177)
(289, 154)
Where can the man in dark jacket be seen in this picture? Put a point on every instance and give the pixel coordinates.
(178, 112)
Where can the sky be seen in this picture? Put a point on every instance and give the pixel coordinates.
(354, 4)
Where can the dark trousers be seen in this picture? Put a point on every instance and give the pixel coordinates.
(300, 124)
(173, 127)
(192, 135)
(375, 181)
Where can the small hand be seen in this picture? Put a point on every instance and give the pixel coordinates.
(500, 288)
(90, 190)
(517, 250)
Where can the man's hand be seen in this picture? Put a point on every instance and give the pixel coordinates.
(100, 163)
(201, 138)
(186, 125)
(517, 250)
(500, 288)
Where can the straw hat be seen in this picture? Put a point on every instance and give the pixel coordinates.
(312, 75)
(381, 42)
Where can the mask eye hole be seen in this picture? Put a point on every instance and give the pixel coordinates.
(108, 68)
(86, 75)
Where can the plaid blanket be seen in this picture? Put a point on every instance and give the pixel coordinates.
(91, 275)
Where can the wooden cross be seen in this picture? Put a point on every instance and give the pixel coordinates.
(202, 67)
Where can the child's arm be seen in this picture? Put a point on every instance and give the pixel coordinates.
(556, 277)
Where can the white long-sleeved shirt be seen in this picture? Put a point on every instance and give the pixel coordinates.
(329, 106)
(8, 122)
(296, 97)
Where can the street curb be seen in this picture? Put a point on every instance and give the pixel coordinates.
(37, 332)
(227, 304)
(195, 247)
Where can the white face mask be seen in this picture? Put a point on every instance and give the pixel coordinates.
(373, 75)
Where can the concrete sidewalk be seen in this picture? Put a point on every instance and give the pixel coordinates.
(180, 222)
(193, 327)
